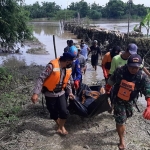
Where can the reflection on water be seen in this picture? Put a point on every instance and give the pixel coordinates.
(44, 32)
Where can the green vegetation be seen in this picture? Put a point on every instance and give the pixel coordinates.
(146, 22)
(113, 9)
(13, 83)
(13, 23)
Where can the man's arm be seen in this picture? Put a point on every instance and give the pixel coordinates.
(146, 71)
(39, 84)
(112, 79)
(89, 50)
(113, 66)
(104, 60)
(70, 84)
(145, 85)
(38, 87)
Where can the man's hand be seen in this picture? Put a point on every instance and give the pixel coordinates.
(76, 84)
(34, 98)
(71, 96)
(146, 113)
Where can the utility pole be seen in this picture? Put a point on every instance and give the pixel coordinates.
(129, 13)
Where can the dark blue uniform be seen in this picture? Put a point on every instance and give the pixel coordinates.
(76, 71)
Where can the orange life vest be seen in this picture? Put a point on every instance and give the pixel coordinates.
(54, 79)
(125, 90)
(106, 63)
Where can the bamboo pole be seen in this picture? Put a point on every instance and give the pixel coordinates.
(54, 46)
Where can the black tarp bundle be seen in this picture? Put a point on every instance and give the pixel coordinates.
(91, 107)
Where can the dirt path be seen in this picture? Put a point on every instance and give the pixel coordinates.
(35, 131)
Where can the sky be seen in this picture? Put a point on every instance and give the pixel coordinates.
(65, 3)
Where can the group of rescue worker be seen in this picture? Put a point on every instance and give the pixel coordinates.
(123, 73)
(125, 77)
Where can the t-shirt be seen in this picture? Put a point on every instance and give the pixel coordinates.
(84, 51)
(66, 49)
(82, 60)
(95, 51)
(117, 61)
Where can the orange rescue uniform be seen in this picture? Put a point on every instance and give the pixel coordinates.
(54, 79)
(106, 64)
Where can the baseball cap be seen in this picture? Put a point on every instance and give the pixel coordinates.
(78, 47)
(68, 55)
(95, 41)
(132, 48)
(134, 60)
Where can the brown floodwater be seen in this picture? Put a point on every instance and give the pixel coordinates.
(44, 32)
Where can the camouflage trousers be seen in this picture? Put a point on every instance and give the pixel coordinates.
(122, 111)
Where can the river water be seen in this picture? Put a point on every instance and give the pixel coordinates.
(44, 32)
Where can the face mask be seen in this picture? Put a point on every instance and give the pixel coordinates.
(69, 65)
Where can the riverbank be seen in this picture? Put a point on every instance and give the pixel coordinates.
(34, 131)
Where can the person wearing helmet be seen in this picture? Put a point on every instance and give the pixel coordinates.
(106, 61)
(76, 71)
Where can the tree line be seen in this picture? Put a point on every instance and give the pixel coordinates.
(115, 9)
(15, 15)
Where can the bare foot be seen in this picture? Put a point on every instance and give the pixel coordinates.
(59, 131)
(121, 146)
(64, 131)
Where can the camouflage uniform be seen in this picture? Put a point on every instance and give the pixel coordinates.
(124, 109)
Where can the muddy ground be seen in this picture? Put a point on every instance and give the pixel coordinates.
(35, 131)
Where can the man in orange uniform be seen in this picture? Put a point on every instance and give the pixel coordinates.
(54, 79)
(106, 61)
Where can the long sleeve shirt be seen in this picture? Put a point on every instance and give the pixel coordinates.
(142, 82)
(76, 71)
(45, 74)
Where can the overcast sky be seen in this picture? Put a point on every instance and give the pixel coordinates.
(64, 3)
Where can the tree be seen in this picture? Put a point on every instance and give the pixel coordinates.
(146, 22)
(13, 23)
(95, 14)
(65, 14)
(81, 7)
(115, 9)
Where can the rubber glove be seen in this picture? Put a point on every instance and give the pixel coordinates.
(108, 88)
(34, 98)
(76, 84)
(146, 113)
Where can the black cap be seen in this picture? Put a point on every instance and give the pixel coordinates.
(68, 55)
(134, 60)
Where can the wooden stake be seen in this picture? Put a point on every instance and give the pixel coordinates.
(54, 46)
